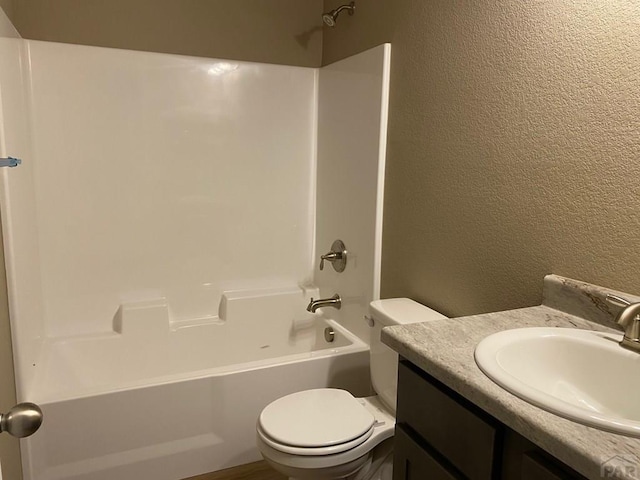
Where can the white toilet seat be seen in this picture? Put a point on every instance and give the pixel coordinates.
(314, 451)
(324, 420)
(383, 428)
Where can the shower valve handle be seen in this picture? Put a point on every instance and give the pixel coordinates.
(330, 257)
(22, 420)
(337, 256)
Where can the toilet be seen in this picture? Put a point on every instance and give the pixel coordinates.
(327, 433)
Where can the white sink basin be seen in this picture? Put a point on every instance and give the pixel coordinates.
(578, 374)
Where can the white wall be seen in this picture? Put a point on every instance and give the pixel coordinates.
(18, 214)
(352, 128)
(155, 176)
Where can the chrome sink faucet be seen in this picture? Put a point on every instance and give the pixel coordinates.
(335, 302)
(629, 320)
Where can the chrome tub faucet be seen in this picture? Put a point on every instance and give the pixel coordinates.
(335, 302)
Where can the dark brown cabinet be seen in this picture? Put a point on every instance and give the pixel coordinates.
(441, 435)
(414, 461)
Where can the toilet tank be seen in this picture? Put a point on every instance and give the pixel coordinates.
(384, 361)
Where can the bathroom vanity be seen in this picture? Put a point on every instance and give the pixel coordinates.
(441, 435)
(454, 422)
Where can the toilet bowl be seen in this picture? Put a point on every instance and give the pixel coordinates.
(335, 442)
(327, 433)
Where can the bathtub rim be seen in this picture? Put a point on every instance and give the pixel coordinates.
(357, 345)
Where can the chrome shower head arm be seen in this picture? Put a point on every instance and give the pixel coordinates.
(350, 7)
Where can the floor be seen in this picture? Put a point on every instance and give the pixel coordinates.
(251, 471)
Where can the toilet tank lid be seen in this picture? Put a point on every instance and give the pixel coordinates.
(401, 311)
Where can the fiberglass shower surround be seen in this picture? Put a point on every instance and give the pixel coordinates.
(138, 282)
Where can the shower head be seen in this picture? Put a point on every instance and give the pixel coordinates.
(330, 18)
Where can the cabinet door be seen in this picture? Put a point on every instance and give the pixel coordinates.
(522, 460)
(412, 462)
(536, 467)
(462, 433)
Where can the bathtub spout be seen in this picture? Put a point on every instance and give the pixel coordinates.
(335, 302)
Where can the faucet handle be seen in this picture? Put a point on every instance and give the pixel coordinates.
(629, 319)
(617, 300)
(331, 257)
(337, 256)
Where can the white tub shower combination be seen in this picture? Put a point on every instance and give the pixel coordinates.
(162, 238)
(176, 401)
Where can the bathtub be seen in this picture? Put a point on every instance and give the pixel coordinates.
(166, 401)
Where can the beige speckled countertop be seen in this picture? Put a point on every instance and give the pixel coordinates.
(444, 349)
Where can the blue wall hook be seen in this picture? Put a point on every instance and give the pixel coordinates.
(10, 162)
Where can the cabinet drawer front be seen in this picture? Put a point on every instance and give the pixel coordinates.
(412, 462)
(463, 437)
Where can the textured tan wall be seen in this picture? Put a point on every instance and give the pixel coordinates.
(271, 31)
(513, 148)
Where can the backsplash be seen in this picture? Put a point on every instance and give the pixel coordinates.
(582, 299)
